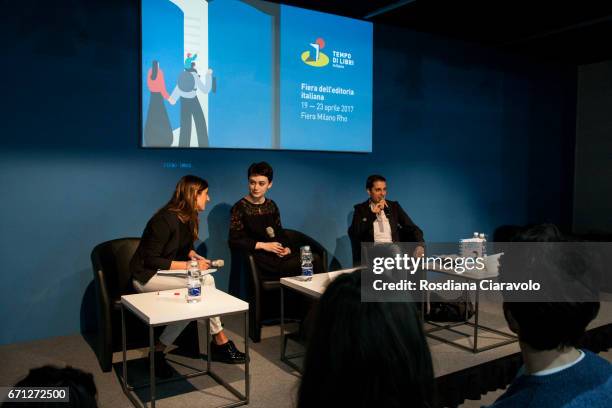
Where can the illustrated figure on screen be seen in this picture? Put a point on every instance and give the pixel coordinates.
(189, 61)
(187, 87)
(157, 130)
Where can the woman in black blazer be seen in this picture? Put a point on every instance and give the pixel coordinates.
(166, 244)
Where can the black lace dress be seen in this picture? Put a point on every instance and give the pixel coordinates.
(251, 223)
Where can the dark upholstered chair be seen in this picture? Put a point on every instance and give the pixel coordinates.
(112, 279)
(405, 235)
(263, 296)
(111, 267)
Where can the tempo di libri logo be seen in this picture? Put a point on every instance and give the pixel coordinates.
(315, 57)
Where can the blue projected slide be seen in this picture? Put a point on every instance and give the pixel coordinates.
(255, 75)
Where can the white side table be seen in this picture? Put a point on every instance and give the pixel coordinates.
(157, 310)
(314, 289)
(476, 325)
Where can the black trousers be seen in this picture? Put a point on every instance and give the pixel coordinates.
(273, 267)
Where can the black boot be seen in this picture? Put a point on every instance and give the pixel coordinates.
(226, 353)
(162, 368)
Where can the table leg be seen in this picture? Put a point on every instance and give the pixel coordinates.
(468, 299)
(247, 375)
(282, 323)
(476, 320)
(208, 356)
(124, 347)
(152, 365)
(423, 274)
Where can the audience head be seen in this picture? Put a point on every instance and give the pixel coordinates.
(189, 197)
(81, 387)
(547, 325)
(365, 354)
(376, 186)
(260, 177)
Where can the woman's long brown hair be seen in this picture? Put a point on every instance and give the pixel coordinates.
(183, 201)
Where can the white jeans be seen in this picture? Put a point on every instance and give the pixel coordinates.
(157, 283)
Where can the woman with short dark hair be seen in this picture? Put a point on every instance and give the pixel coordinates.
(256, 228)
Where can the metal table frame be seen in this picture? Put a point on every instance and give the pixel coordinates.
(129, 390)
(284, 337)
(287, 359)
(510, 338)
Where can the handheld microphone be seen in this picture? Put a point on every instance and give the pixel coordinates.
(270, 232)
(218, 263)
(387, 211)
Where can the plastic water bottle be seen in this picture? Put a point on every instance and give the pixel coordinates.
(194, 286)
(307, 268)
(484, 244)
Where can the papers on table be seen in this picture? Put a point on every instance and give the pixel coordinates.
(182, 272)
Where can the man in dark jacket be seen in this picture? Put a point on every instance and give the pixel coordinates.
(381, 220)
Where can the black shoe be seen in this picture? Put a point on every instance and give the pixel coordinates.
(162, 368)
(226, 353)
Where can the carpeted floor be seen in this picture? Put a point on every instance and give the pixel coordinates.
(273, 383)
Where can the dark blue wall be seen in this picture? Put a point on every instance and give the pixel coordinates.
(468, 139)
(593, 198)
